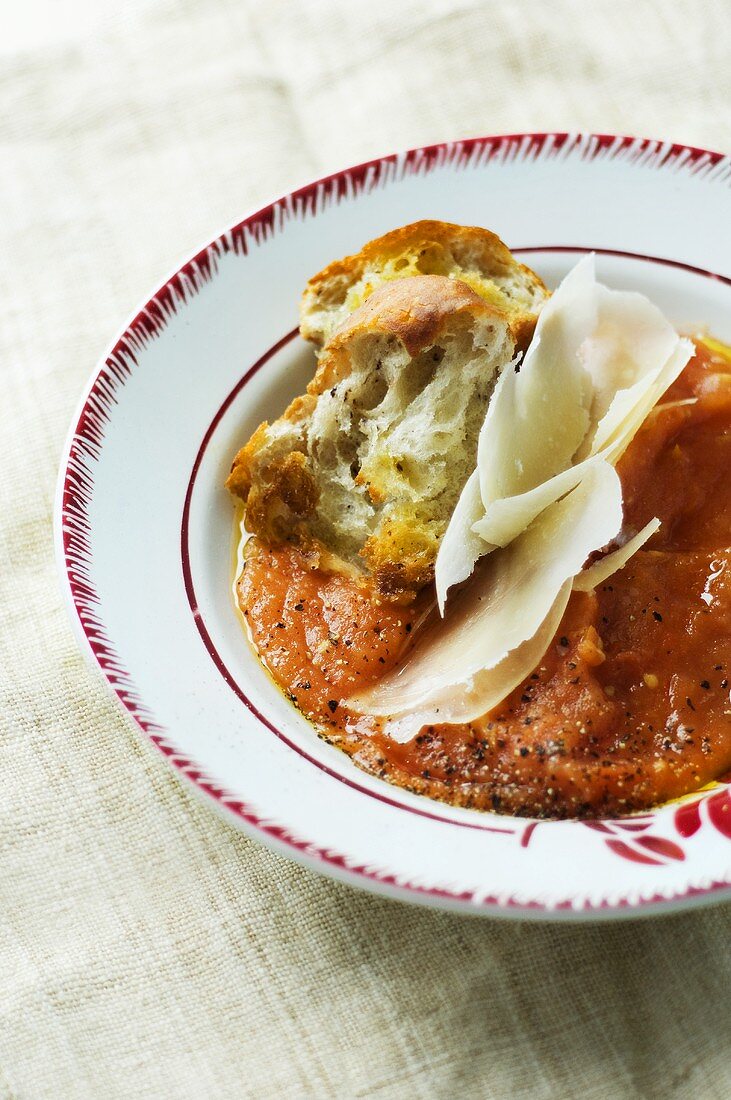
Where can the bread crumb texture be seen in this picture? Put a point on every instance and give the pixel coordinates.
(368, 465)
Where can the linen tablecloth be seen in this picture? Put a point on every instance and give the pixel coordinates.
(147, 949)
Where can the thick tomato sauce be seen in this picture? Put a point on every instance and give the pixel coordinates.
(630, 705)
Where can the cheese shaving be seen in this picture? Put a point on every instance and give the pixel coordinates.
(599, 361)
(539, 414)
(600, 571)
(464, 664)
(460, 546)
(487, 689)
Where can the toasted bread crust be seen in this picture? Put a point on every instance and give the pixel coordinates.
(400, 558)
(415, 292)
(280, 492)
(414, 311)
(280, 495)
(493, 253)
(433, 244)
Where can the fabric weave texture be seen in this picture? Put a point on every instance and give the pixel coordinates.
(146, 948)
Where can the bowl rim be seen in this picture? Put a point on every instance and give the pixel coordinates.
(148, 319)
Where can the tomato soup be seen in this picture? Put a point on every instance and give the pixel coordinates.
(630, 705)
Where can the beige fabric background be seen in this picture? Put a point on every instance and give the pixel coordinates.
(147, 950)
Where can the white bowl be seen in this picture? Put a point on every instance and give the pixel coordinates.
(144, 527)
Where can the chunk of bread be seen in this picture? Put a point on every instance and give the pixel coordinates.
(371, 461)
(473, 255)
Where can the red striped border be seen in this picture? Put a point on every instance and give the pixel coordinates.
(76, 484)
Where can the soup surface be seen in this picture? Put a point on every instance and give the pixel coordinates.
(630, 705)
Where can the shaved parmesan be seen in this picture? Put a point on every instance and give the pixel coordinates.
(460, 547)
(628, 359)
(487, 689)
(624, 415)
(632, 341)
(465, 663)
(511, 515)
(630, 408)
(667, 405)
(620, 424)
(601, 570)
(538, 415)
(598, 362)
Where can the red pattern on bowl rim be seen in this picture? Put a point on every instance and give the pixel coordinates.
(631, 839)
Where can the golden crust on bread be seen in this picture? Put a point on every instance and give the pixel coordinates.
(473, 255)
(370, 461)
(414, 311)
(400, 557)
